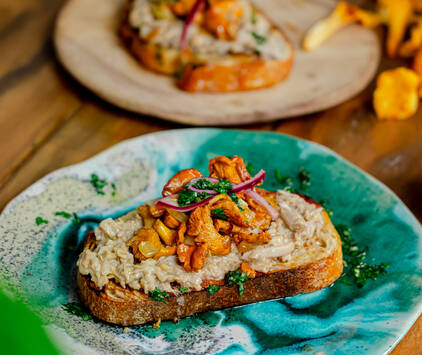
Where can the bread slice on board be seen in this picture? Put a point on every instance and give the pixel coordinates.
(213, 72)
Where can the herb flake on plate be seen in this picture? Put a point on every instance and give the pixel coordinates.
(77, 310)
(355, 266)
(39, 220)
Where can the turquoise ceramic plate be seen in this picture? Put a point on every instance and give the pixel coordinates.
(38, 262)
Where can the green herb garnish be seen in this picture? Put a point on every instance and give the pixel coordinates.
(253, 17)
(219, 213)
(304, 178)
(223, 186)
(284, 180)
(323, 203)
(259, 39)
(188, 197)
(291, 189)
(76, 218)
(40, 220)
(354, 260)
(237, 278)
(113, 186)
(77, 310)
(64, 214)
(98, 184)
(204, 184)
(212, 289)
(235, 199)
(158, 295)
(183, 290)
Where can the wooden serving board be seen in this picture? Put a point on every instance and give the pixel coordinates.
(88, 46)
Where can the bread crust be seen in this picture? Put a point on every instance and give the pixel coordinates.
(253, 74)
(125, 307)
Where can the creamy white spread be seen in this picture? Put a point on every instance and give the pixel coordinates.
(167, 32)
(298, 236)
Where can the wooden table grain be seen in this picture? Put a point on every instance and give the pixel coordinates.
(48, 120)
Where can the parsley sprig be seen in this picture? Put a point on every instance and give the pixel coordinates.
(238, 278)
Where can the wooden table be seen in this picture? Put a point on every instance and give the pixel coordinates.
(48, 120)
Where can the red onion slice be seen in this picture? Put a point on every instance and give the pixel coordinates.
(257, 179)
(189, 21)
(263, 202)
(171, 203)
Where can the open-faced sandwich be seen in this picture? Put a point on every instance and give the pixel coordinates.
(208, 45)
(209, 243)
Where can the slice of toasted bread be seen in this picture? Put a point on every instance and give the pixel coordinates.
(211, 73)
(125, 306)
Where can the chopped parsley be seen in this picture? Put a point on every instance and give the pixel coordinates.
(259, 39)
(204, 184)
(284, 180)
(63, 214)
(219, 213)
(158, 295)
(291, 189)
(77, 310)
(183, 290)
(188, 197)
(235, 199)
(355, 267)
(304, 178)
(254, 20)
(76, 218)
(212, 289)
(113, 186)
(237, 278)
(40, 220)
(98, 184)
(223, 186)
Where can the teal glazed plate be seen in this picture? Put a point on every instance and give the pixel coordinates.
(37, 262)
